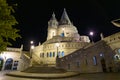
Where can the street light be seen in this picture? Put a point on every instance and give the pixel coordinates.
(57, 45)
(31, 48)
(31, 51)
(91, 34)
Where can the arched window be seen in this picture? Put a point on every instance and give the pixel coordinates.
(50, 54)
(47, 54)
(62, 54)
(94, 60)
(42, 54)
(53, 54)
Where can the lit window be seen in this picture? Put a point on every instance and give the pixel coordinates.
(50, 54)
(62, 54)
(94, 60)
(62, 34)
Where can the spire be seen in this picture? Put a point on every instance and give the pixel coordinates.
(101, 35)
(53, 16)
(65, 19)
(53, 21)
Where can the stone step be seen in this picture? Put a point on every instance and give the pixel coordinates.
(41, 69)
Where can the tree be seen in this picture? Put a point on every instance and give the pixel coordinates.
(7, 25)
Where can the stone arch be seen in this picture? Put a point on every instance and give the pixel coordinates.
(8, 64)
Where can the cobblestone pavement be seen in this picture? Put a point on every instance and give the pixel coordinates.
(95, 76)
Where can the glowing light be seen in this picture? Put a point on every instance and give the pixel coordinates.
(31, 42)
(57, 44)
(91, 33)
(32, 47)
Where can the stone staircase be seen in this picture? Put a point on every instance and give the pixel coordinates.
(43, 69)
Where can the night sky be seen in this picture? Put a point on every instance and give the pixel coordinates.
(86, 15)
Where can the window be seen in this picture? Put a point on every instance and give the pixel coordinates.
(68, 66)
(53, 54)
(62, 54)
(86, 62)
(78, 64)
(42, 54)
(62, 34)
(94, 60)
(47, 54)
(50, 54)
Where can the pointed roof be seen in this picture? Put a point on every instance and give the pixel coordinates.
(64, 18)
(53, 17)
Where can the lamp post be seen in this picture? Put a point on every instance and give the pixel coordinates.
(91, 34)
(31, 51)
(57, 45)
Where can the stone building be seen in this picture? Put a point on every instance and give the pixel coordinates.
(10, 59)
(62, 39)
(65, 48)
(102, 56)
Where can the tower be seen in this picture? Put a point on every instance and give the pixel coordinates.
(52, 27)
(65, 19)
(66, 28)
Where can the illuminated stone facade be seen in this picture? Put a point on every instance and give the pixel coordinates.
(10, 59)
(63, 33)
(102, 56)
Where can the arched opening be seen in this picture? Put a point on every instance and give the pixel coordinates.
(53, 54)
(8, 64)
(1, 63)
(103, 65)
(50, 54)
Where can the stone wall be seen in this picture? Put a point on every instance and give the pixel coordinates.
(95, 58)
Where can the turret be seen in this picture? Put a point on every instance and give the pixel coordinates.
(52, 27)
(66, 28)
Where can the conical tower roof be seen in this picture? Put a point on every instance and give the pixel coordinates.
(53, 21)
(53, 17)
(64, 18)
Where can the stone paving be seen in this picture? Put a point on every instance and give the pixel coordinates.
(95, 76)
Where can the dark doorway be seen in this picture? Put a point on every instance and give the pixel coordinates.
(1, 63)
(103, 65)
(8, 64)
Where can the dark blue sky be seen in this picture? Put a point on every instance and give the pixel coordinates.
(86, 15)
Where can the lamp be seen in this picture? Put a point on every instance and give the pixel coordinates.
(57, 45)
(91, 34)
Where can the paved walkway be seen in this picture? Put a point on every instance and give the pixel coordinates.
(42, 75)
